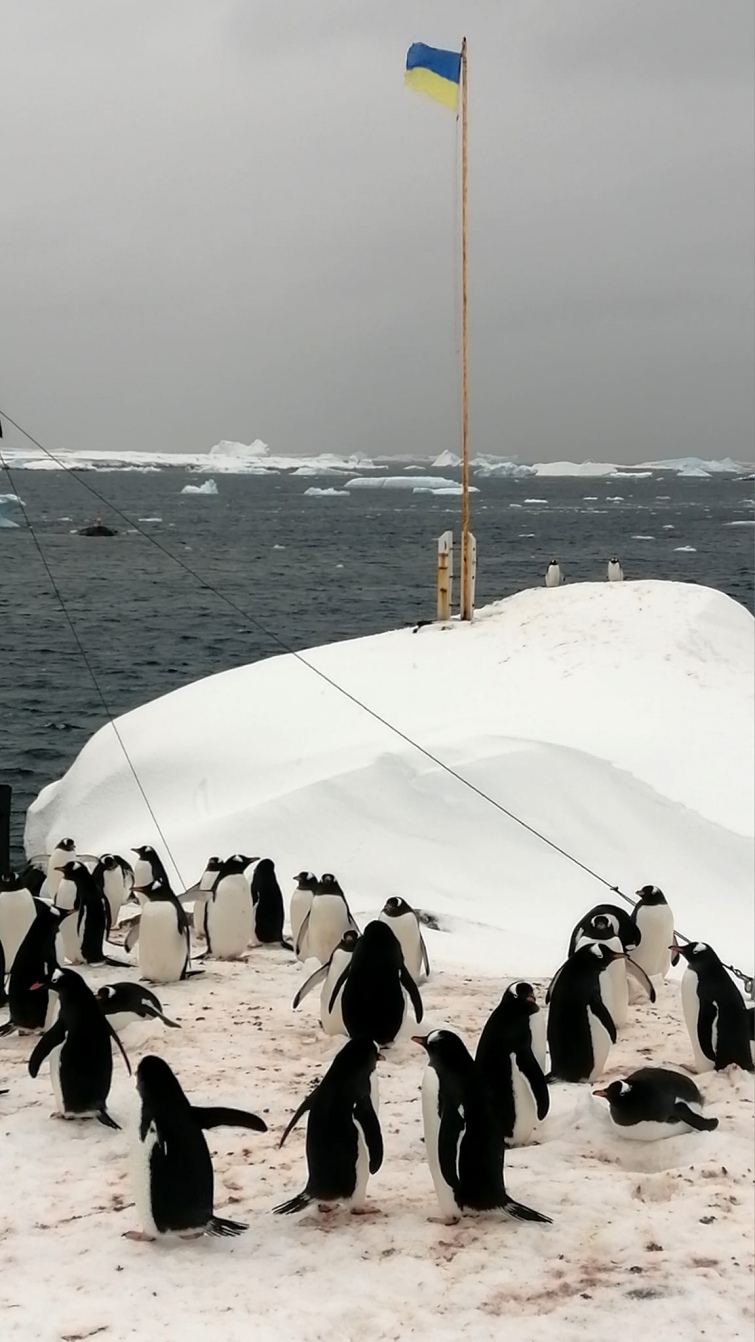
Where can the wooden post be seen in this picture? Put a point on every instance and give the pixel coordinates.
(466, 601)
(5, 796)
(445, 574)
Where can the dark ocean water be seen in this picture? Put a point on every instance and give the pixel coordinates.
(310, 569)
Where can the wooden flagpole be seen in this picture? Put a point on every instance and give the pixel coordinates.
(465, 601)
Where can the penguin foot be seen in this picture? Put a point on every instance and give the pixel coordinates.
(444, 1220)
(138, 1236)
(365, 1211)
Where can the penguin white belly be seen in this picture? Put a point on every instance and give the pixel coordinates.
(649, 1131)
(691, 1008)
(142, 872)
(362, 1171)
(301, 903)
(57, 1088)
(68, 941)
(17, 913)
(525, 1107)
(328, 920)
(405, 929)
(141, 1176)
(656, 923)
(332, 1021)
(162, 947)
(229, 921)
(431, 1124)
(538, 1037)
(616, 977)
(115, 893)
(601, 1045)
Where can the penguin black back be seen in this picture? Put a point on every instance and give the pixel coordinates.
(656, 1096)
(268, 902)
(82, 1070)
(506, 1043)
(576, 1005)
(373, 1003)
(92, 911)
(34, 963)
(722, 1026)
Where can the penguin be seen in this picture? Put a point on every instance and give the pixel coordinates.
(301, 903)
(126, 1003)
(31, 879)
(751, 1027)
(714, 1010)
(17, 913)
(613, 982)
(148, 868)
(64, 851)
(227, 918)
(404, 923)
(171, 1165)
(328, 975)
(614, 571)
(506, 1059)
(268, 905)
(164, 936)
(344, 1142)
(580, 1027)
(463, 1139)
(655, 1102)
(655, 921)
(79, 1046)
(553, 575)
(373, 1002)
(114, 876)
(619, 920)
(34, 963)
(82, 937)
(328, 918)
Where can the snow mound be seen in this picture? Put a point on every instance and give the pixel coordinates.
(400, 482)
(209, 488)
(314, 492)
(615, 718)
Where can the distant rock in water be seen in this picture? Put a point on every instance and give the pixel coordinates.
(209, 487)
(99, 529)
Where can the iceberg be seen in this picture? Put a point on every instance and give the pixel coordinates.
(243, 450)
(314, 492)
(9, 503)
(422, 482)
(683, 465)
(208, 488)
(576, 468)
(506, 470)
(446, 459)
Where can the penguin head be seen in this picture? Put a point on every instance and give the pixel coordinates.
(521, 996)
(109, 861)
(213, 863)
(159, 1087)
(600, 927)
(605, 955)
(650, 894)
(328, 885)
(395, 907)
(305, 880)
(445, 1050)
(156, 890)
(235, 865)
(70, 870)
(378, 939)
(698, 954)
(354, 1064)
(104, 994)
(348, 940)
(620, 1095)
(146, 852)
(66, 846)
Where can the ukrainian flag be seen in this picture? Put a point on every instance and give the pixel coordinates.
(438, 73)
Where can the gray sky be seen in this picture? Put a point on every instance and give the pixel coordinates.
(229, 219)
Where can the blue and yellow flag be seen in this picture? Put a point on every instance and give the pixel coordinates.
(435, 72)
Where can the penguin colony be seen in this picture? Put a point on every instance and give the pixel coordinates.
(474, 1107)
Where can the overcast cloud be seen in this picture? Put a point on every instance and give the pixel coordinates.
(229, 219)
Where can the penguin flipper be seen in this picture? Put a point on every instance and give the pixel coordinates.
(319, 976)
(55, 1035)
(132, 936)
(302, 933)
(705, 1022)
(530, 1068)
(368, 1120)
(683, 1112)
(638, 973)
(218, 1225)
(522, 1213)
(7, 1028)
(425, 956)
(120, 1045)
(601, 1012)
(342, 979)
(158, 1015)
(303, 1107)
(104, 1118)
(413, 992)
(227, 1118)
(296, 1204)
(452, 1126)
(553, 982)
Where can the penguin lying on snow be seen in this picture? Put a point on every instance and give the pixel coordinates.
(506, 1058)
(126, 1003)
(714, 1011)
(655, 1102)
(463, 1142)
(79, 1046)
(171, 1163)
(331, 1018)
(344, 1142)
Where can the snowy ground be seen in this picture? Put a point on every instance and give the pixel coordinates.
(652, 1237)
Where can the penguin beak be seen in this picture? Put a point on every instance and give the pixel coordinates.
(380, 1056)
(532, 1000)
(675, 948)
(419, 1039)
(35, 986)
(599, 1094)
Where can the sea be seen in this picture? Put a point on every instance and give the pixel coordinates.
(195, 584)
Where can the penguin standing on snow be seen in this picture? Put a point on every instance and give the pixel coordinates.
(126, 1003)
(171, 1163)
(301, 903)
(328, 918)
(613, 983)
(164, 936)
(34, 963)
(373, 1003)
(580, 1027)
(620, 922)
(331, 1018)
(614, 571)
(82, 936)
(654, 1103)
(79, 1046)
(17, 913)
(553, 575)
(655, 921)
(227, 917)
(114, 876)
(463, 1141)
(506, 1059)
(148, 868)
(64, 851)
(344, 1142)
(268, 904)
(404, 923)
(714, 1010)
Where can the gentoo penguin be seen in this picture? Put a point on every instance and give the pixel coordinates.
(301, 903)
(463, 1142)
(613, 981)
(328, 918)
(79, 1046)
(614, 571)
(268, 904)
(620, 922)
(655, 921)
(227, 917)
(373, 1002)
(714, 1010)
(328, 975)
(404, 923)
(506, 1059)
(126, 1003)
(580, 1027)
(34, 963)
(654, 1103)
(17, 913)
(82, 937)
(114, 876)
(64, 851)
(171, 1164)
(553, 575)
(31, 878)
(344, 1142)
(164, 936)
(148, 868)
